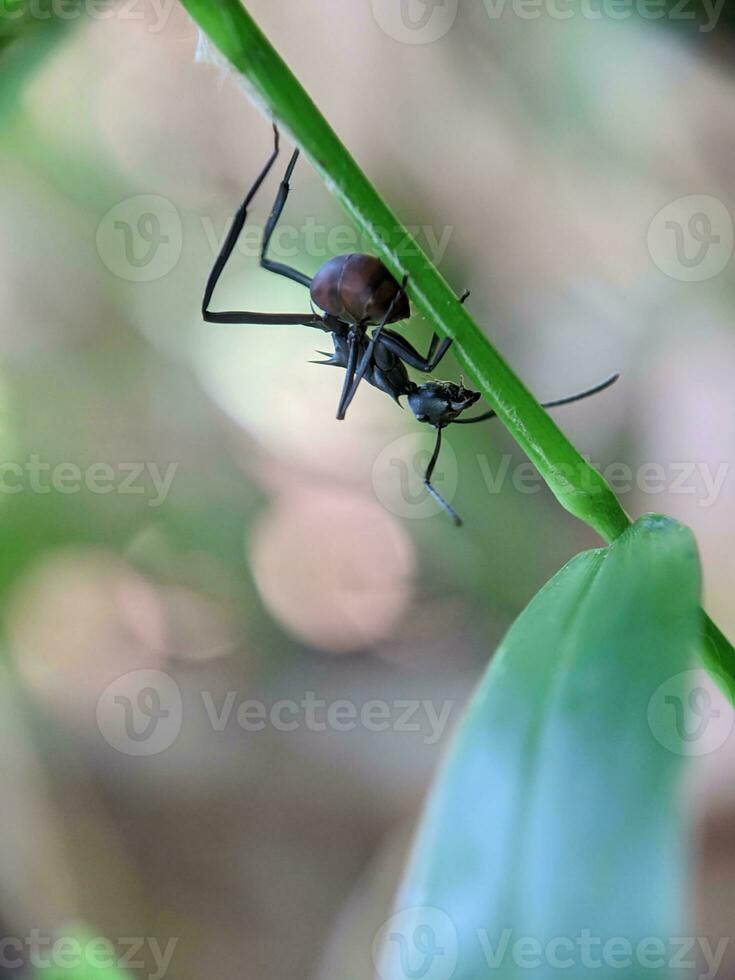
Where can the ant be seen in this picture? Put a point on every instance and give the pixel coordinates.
(354, 292)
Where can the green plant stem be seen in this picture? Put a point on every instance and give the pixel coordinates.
(578, 487)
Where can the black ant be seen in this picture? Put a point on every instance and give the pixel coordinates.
(354, 292)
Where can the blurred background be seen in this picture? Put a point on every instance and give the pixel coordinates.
(237, 634)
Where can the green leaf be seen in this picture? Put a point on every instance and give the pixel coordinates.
(557, 808)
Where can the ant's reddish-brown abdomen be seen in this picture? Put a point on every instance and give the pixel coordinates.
(359, 288)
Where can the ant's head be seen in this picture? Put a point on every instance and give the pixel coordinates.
(440, 402)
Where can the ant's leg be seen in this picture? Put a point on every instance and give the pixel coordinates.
(436, 353)
(243, 316)
(431, 489)
(348, 386)
(369, 350)
(278, 267)
(408, 353)
(438, 350)
(234, 233)
(274, 319)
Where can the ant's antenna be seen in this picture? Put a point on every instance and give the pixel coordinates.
(559, 401)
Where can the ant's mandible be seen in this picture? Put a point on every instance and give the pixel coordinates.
(354, 292)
